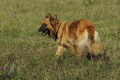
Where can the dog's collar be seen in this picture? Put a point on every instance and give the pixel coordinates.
(56, 37)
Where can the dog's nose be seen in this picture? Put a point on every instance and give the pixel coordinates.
(39, 30)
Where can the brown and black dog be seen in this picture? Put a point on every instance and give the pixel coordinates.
(80, 36)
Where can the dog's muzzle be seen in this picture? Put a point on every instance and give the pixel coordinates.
(44, 31)
(39, 30)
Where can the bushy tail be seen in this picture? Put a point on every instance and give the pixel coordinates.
(95, 46)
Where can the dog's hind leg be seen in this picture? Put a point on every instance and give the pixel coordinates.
(82, 45)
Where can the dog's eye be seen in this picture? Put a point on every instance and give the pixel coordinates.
(44, 25)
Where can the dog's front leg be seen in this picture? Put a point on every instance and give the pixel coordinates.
(59, 51)
(73, 48)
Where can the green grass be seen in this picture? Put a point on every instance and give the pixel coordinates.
(27, 56)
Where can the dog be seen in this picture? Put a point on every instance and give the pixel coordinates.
(80, 36)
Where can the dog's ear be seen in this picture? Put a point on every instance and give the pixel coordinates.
(48, 15)
(54, 17)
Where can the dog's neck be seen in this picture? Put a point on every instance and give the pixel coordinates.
(57, 29)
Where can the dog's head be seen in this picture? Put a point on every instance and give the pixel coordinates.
(49, 25)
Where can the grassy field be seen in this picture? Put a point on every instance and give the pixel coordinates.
(24, 55)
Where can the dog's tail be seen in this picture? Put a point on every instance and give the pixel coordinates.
(95, 46)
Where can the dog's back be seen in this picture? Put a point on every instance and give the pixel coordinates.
(86, 37)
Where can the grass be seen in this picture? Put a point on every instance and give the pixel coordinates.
(27, 56)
